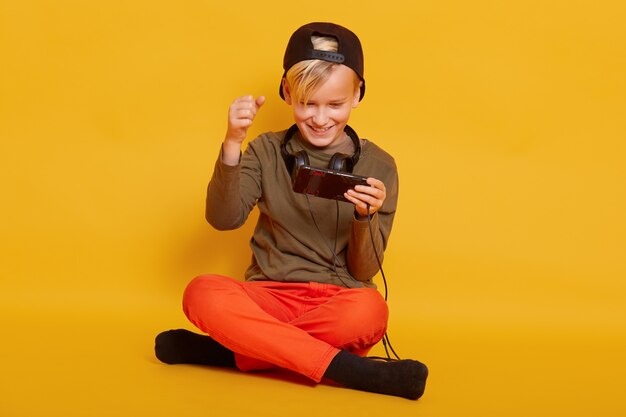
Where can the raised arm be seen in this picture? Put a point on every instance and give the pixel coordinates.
(226, 205)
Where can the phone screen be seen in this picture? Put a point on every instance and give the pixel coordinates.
(325, 183)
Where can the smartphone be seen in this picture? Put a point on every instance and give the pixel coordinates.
(325, 183)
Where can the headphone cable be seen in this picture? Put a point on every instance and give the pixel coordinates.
(386, 342)
(332, 250)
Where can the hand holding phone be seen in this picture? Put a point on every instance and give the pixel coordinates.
(368, 200)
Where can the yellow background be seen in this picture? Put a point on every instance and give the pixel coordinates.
(506, 265)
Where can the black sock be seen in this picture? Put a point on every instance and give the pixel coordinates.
(183, 346)
(405, 378)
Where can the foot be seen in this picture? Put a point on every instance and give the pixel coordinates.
(404, 378)
(182, 346)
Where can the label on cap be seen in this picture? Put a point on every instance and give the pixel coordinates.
(327, 56)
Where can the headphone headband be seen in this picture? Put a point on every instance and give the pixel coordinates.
(338, 162)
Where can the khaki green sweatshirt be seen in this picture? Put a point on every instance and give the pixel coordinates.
(296, 235)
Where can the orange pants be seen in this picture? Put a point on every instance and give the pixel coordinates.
(297, 326)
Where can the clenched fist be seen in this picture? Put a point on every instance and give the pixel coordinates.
(241, 113)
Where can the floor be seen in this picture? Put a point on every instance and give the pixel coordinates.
(99, 362)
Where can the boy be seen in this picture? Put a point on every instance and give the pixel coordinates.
(308, 303)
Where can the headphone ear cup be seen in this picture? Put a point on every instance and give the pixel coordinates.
(340, 162)
(297, 160)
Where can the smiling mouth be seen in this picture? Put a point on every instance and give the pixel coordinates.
(320, 130)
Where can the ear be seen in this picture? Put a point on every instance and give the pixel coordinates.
(286, 91)
(357, 96)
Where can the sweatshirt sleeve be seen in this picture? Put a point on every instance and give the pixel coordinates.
(362, 250)
(233, 191)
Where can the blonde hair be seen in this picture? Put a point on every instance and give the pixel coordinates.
(305, 76)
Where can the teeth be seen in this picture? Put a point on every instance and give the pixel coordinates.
(320, 130)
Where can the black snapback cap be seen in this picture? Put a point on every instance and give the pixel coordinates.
(349, 50)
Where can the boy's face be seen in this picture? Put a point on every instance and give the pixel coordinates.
(322, 120)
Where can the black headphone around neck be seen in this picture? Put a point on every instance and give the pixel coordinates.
(338, 162)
